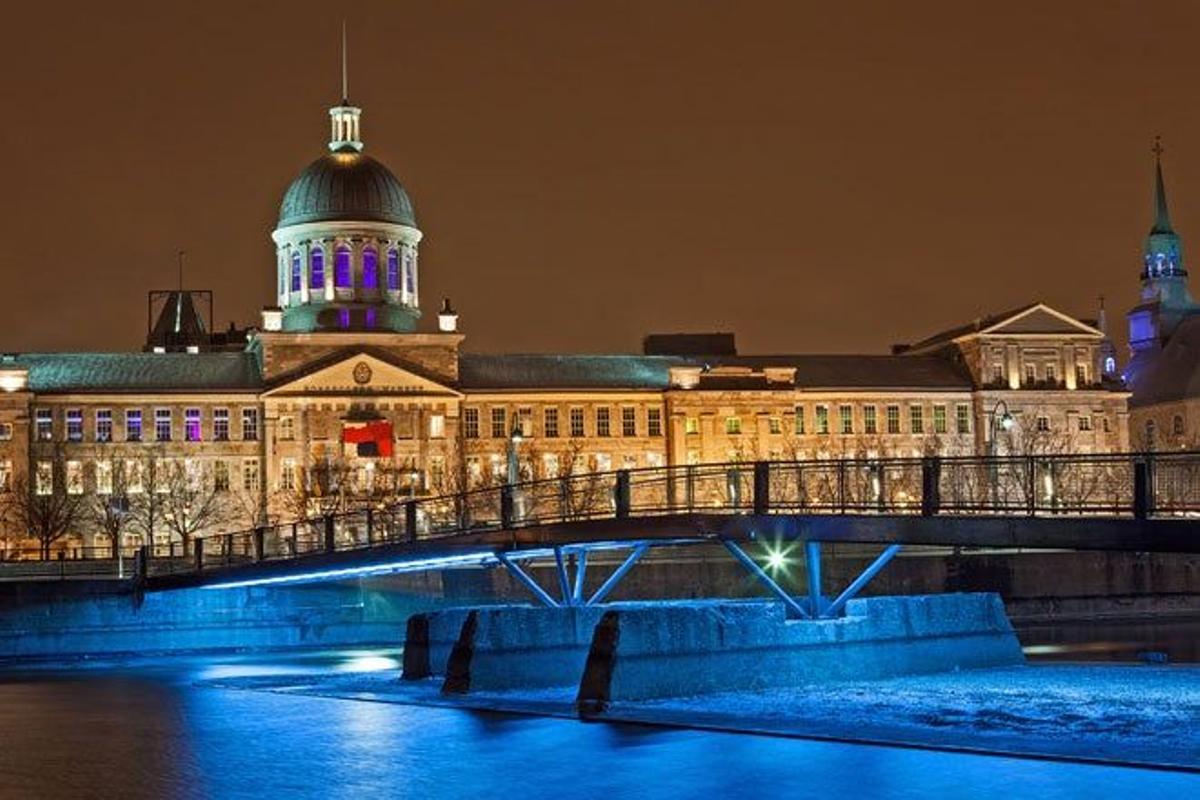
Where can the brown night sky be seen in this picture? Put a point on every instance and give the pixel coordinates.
(816, 178)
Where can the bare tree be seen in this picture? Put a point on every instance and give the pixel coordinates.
(192, 505)
(107, 509)
(47, 509)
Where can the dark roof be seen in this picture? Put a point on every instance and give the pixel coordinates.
(138, 372)
(980, 324)
(565, 371)
(346, 186)
(653, 372)
(1174, 373)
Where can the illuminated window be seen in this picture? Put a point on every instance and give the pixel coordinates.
(220, 424)
(1081, 375)
(44, 478)
(250, 424)
(916, 419)
(525, 421)
(846, 419)
(221, 476)
(603, 462)
(191, 425)
(410, 273)
(550, 465)
(104, 425)
(800, 423)
(250, 479)
(74, 477)
(44, 424)
(628, 421)
(287, 428)
(6, 431)
(822, 419)
(1177, 425)
(1051, 373)
(893, 419)
(499, 418)
(393, 270)
(370, 268)
(774, 425)
(691, 425)
(287, 474)
(133, 425)
(550, 422)
(997, 373)
(1110, 365)
(1030, 373)
(577, 422)
(654, 422)
(1085, 422)
(654, 459)
(471, 423)
(5, 475)
(297, 280)
(1043, 424)
(343, 271)
(939, 419)
(133, 477)
(74, 425)
(316, 269)
(733, 425)
(603, 422)
(870, 423)
(437, 426)
(162, 424)
(963, 417)
(104, 477)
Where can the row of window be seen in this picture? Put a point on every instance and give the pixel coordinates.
(869, 422)
(1047, 374)
(603, 424)
(555, 465)
(134, 425)
(133, 476)
(396, 266)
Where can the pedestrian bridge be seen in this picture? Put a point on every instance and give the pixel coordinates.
(1133, 502)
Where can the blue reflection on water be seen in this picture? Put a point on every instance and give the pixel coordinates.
(147, 731)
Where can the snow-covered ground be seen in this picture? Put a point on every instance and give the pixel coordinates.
(1122, 713)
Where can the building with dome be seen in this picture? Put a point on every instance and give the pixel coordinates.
(344, 395)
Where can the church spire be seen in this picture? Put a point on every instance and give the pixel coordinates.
(1162, 217)
(1162, 255)
(343, 118)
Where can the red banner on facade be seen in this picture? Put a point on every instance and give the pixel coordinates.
(372, 438)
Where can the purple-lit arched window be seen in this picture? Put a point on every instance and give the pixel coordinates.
(316, 269)
(370, 262)
(343, 274)
(410, 273)
(296, 278)
(393, 270)
(344, 318)
(370, 317)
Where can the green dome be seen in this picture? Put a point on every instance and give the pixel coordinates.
(346, 186)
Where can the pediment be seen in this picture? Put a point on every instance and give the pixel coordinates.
(1038, 320)
(359, 373)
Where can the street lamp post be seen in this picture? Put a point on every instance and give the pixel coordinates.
(999, 419)
(513, 471)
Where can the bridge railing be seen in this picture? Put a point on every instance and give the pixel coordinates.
(1112, 485)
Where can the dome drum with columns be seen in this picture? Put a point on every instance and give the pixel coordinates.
(347, 241)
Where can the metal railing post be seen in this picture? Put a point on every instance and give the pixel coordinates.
(621, 494)
(690, 486)
(841, 485)
(1141, 489)
(410, 520)
(198, 554)
(762, 487)
(330, 538)
(370, 526)
(1031, 484)
(931, 473)
(260, 536)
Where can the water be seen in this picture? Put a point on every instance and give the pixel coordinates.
(147, 729)
(1113, 640)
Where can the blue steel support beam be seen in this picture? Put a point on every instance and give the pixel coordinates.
(564, 580)
(524, 578)
(766, 580)
(862, 580)
(812, 568)
(580, 573)
(615, 578)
